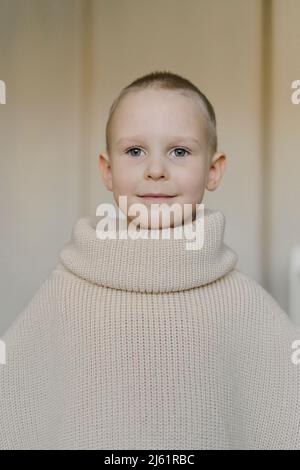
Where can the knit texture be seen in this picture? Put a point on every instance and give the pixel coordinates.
(143, 344)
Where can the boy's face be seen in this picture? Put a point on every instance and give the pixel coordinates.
(159, 146)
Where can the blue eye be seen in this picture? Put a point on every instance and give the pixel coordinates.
(132, 148)
(181, 148)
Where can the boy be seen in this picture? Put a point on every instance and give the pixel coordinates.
(140, 343)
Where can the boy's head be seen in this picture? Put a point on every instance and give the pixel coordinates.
(161, 139)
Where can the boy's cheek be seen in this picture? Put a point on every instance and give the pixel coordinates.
(194, 189)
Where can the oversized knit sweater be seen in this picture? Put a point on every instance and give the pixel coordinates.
(143, 344)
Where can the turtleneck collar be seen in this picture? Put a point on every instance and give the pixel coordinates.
(149, 265)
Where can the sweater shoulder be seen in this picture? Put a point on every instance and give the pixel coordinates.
(38, 311)
(253, 297)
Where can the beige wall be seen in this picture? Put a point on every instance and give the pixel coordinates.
(41, 146)
(284, 169)
(64, 61)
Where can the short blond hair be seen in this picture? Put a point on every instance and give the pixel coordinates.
(168, 81)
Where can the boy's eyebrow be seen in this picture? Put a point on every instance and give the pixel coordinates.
(137, 137)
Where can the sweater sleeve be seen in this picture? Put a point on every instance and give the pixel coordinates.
(265, 374)
(284, 398)
(26, 375)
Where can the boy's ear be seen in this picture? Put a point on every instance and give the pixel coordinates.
(216, 170)
(105, 169)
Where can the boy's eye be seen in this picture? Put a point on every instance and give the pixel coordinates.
(130, 150)
(182, 149)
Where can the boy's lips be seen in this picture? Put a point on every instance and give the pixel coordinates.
(156, 197)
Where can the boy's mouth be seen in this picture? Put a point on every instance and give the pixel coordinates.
(156, 197)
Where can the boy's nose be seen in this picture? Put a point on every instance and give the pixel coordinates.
(156, 169)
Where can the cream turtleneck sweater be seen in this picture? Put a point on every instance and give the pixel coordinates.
(143, 344)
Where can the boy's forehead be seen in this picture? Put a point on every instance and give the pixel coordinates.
(135, 110)
(159, 98)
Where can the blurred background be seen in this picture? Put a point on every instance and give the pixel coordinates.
(63, 63)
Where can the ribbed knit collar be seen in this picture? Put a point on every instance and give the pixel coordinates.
(148, 265)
